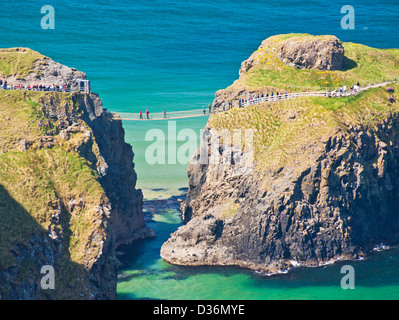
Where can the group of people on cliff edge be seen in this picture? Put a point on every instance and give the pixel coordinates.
(36, 87)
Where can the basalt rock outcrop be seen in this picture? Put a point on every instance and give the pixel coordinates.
(305, 52)
(321, 54)
(341, 207)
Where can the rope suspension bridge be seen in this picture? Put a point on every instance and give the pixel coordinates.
(248, 102)
(161, 116)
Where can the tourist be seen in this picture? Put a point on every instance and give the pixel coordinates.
(203, 109)
(148, 114)
(164, 114)
(209, 108)
(141, 114)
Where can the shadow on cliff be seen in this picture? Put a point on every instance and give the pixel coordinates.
(25, 248)
(348, 64)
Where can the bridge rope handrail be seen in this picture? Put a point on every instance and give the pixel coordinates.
(162, 116)
(333, 93)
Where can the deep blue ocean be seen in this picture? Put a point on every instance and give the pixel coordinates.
(174, 55)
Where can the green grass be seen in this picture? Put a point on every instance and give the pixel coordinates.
(33, 185)
(229, 210)
(22, 116)
(288, 132)
(294, 132)
(18, 62)
(361, 63)
(36, 182)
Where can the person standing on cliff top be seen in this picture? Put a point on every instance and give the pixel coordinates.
(148, 114)
(164, 114)
(141, 114)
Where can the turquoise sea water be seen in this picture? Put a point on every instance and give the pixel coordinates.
(175, 54)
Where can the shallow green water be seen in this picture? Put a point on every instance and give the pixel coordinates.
(166, 179)
(146, 276)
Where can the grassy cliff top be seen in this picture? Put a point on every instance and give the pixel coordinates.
(361, 64)
(294, 132)
(18, 62)
(41, 174)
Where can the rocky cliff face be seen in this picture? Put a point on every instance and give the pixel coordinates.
(67, 192)
(117, 175)
(305, 52)
(340, 207)
(33, 68)
(323, 186)
(322, 54)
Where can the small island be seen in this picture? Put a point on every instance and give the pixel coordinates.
(324, 184)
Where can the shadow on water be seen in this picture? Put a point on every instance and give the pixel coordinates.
(158, 189)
